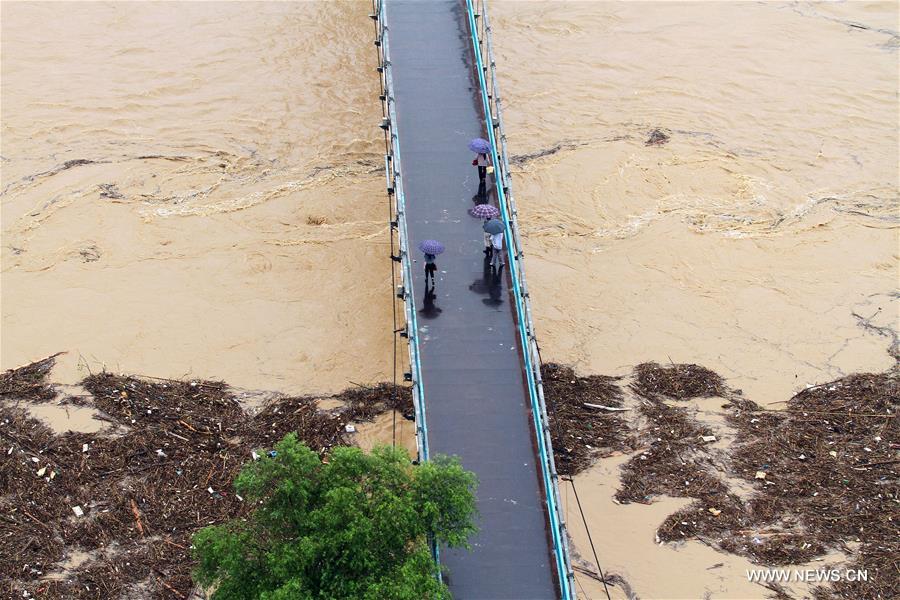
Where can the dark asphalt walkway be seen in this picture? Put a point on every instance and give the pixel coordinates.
(472, 371)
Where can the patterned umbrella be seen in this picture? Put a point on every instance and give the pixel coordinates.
(493, 227)
(431, 247)
(480, 146)
(484, 211)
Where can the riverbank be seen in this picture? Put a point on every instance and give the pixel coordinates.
(110, 504)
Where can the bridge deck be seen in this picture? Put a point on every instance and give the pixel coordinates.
(472, 368)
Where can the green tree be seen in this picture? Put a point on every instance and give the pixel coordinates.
(354, 527)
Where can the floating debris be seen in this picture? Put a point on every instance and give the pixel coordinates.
(657, 138)
(29, 382)
(834, 451)
(111, 191)
(89, 254)
(140, 494)
(679, 381)
(578, 431)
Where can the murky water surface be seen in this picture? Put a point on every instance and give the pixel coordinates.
(194, 189)
(759, 241)
(760, 236)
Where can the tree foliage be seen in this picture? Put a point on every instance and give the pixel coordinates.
(354, 527)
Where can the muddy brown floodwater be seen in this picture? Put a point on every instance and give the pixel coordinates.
(196, 191)
(745, 243)
(759, 240)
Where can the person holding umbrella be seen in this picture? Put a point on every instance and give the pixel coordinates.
(497, 251)
(495, 229)
(491, 228)
(482, 149)
(486, 212)
(431, 248)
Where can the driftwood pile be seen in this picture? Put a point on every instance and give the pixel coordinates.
(584, 421)
(824, 473)
(125, 501)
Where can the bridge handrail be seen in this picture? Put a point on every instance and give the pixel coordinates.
(393, 173)
(483, 48)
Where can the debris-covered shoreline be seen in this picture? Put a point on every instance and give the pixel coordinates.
(823, 474)
(128, 499)
(585, 417)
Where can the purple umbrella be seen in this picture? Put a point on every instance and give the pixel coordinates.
(431, 247)
(479, 145)
(484, 211)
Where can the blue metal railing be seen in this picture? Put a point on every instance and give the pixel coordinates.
(395, 188)
(405, 291)
(494, 121)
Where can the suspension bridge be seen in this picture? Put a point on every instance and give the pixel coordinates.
(473, 356)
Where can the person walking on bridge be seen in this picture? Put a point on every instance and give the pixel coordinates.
(497, 251)
(430, 268)
(431, 248)
(481, 148)
(489, 214)
(491, 227)
(483, 162)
